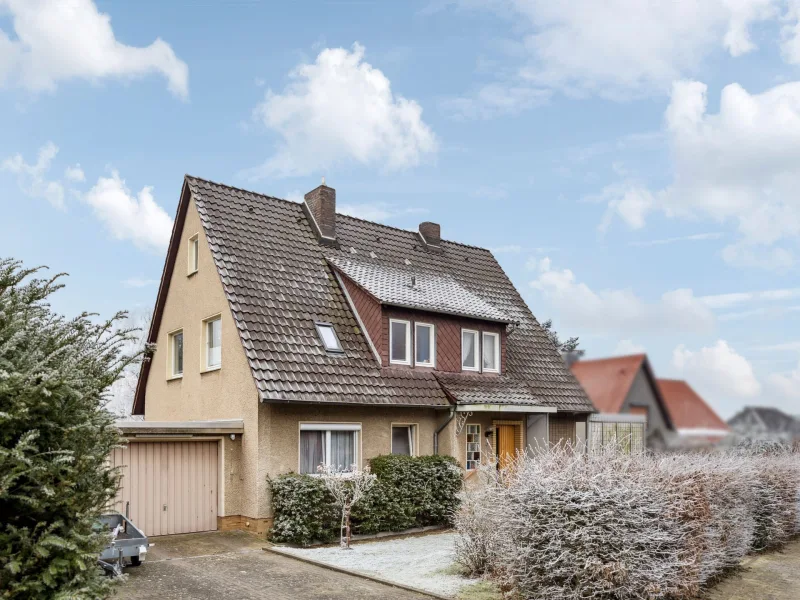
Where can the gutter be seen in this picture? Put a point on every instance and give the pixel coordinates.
(439, 429)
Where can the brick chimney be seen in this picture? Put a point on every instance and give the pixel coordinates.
(321, 206)
(431, 233)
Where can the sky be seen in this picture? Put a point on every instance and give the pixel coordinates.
(633, 164)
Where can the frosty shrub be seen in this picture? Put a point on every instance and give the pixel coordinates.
(347, 489)
(560, 524)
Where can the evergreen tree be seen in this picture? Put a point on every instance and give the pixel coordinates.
(55, 437)
(569, 349)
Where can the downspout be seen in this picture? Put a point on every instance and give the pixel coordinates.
(442, 426)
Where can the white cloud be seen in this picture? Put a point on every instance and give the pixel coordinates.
(341, 109)
(57, 40)
(787, 385)
(736, 298)
(619, 310)
(720, 374)
(139, 282)
(738, 165)
(696, 237)
(494, 100)
(377, 211)
(75, 173)
(627, 347)
(127, 217)
(32, 178)
(783, 347)
(628, 200)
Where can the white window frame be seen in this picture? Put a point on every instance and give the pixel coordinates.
(194, 254)
(466, 446)
(204, 350)
(478, 356)
(413, 439)
(327, 428)
(319, 325)
(171, 374)
(409, 350)
(432, 333)
(496, 337)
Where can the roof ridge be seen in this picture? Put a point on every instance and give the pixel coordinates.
(238, 189)
(640, 355)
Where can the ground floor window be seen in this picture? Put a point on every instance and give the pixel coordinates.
(403, 439)
(473, 446)
(330, 445)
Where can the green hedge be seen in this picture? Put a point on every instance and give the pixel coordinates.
(410, 492)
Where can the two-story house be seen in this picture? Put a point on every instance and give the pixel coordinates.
(327, 339)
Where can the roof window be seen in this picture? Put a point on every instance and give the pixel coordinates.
(328, 337)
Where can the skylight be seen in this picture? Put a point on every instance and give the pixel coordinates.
(328, 337)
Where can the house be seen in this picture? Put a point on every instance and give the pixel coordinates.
(765, 423)
(695, 421)
(288, 336)
(627, 385)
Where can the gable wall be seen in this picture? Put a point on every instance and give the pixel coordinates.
(641, 394)
(228, 393)
(369, 310)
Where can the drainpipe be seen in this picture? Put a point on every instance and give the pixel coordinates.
(442, 426)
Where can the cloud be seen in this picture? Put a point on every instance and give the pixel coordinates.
(628, 201)
(783, 347)
(31, 178)
(696, 237)
(719, 373)
(377, 211)
(786, 385)
(75, 173)
(127, 217)
(341, 109)
(736, 298)
(619, 310)
(57, 40)
(139, 282)
(737, 166)
(494, 100)
(626, 347)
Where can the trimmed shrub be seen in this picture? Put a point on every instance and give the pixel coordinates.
(410, 492)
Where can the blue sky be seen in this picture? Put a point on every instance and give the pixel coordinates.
(633, 164)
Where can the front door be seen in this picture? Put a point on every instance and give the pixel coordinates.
(506, 447)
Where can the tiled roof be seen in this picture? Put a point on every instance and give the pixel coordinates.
(686, 408)
(608, 380)
(277, 278)
(770, 420)
(414, 288)
(480, 389)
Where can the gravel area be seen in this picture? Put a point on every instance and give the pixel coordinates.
(424, 562)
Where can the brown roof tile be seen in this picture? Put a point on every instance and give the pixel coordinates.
(608, 380)
(686, 408)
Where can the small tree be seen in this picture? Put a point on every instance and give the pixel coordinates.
(569, 349)
(55, 438)
(347, 488)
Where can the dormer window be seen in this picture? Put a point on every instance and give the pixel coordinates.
(491, 352)
(328, 337)
(194, 253)
(469, 350)
(399, 342)
(424, 345)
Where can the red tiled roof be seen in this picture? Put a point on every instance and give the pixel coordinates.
(687, 409)
(608, 380)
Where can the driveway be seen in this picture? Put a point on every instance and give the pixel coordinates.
(768, 576)
(232, 564)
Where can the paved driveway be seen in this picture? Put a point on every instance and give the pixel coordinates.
(232, 564)
(768, 576)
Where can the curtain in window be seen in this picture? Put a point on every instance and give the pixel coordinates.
(401, 440)
(468, 349)
(312, 450)
(343, 455)
(399, 342)
(214, 343)
(489, 342)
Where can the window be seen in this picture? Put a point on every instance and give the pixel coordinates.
(424, 345)
(213, 343)
(491, 352)
(469, 350)
(333, 444)
(403, 439)
(328, 337)
(194, 253)
(473, 446)
(399, 342)
(175, 354)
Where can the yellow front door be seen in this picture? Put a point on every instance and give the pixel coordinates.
(506, 447)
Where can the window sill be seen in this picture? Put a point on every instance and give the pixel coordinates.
(425, 365)
(174, 377)
(400, 363)
(192, 273)
(470, 370)
(211, 369)
(495, 371)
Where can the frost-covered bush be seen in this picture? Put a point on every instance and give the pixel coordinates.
(304, 510)
(564, 525)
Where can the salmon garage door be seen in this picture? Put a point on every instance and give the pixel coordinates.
(171, 486)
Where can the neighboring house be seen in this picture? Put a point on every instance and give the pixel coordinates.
(695, 421)
(765, 423)
(627, 385)
(288, 336)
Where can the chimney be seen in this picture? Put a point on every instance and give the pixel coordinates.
(321, 206)
(431, 233)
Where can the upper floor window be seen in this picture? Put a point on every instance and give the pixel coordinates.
(424, 345)
(469, 350)
(175, 366)
(328, 336)
(491, 352)
(194, 253)
(213, 343)
(399, 342)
